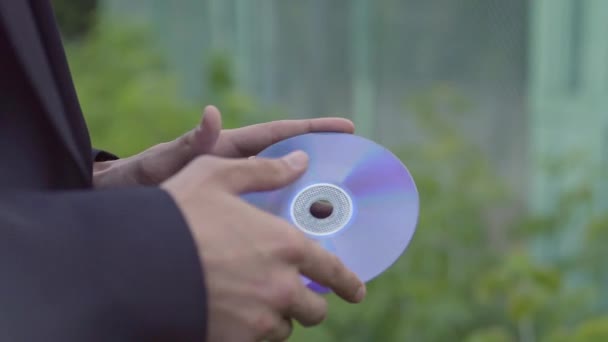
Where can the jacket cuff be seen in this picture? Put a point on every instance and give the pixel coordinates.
(101, 156)
(162, 271)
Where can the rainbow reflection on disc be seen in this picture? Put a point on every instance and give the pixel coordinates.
(374, 200)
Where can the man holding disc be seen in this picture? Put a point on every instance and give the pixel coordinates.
(158, 246)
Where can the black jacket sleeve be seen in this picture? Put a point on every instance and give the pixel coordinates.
(111, 265)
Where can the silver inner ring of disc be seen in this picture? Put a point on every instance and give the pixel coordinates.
(340, 215)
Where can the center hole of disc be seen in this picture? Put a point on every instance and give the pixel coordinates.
(321, 209)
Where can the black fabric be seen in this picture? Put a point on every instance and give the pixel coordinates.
(100, 155)
(79, 264)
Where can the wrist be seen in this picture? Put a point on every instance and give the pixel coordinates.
(100, 166)
(113, 173)
(102, 174)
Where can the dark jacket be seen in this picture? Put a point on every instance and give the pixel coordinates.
(78, 264)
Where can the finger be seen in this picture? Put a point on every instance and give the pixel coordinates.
(203, 138)
(261, 174)
(251, 140)
(309, 308)
(327, 270)
(281, 332)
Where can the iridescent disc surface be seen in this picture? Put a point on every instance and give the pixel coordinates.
(374, 198)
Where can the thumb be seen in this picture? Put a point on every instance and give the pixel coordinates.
(262, 174)
(203, 138)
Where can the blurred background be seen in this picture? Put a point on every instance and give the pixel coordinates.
(498, 108)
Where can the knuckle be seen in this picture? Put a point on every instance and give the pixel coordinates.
(233, 172)
(320, 315)
(271, 167)
(286, 293)
(282, 332)
(257, 168)
(263, 324)
(292, 246)
(336, 268)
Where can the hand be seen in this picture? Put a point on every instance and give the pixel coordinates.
(253, 260)
(160, 162)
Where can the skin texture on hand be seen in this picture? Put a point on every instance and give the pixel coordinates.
(156, 164)
(252, 259)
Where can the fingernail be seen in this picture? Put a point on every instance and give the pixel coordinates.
(297, 160)
(360, 293)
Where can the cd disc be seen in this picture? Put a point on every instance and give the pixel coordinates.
(368, 199)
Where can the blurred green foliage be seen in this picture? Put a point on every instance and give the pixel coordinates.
(76, 17)
(470, 273)
(130, 98)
